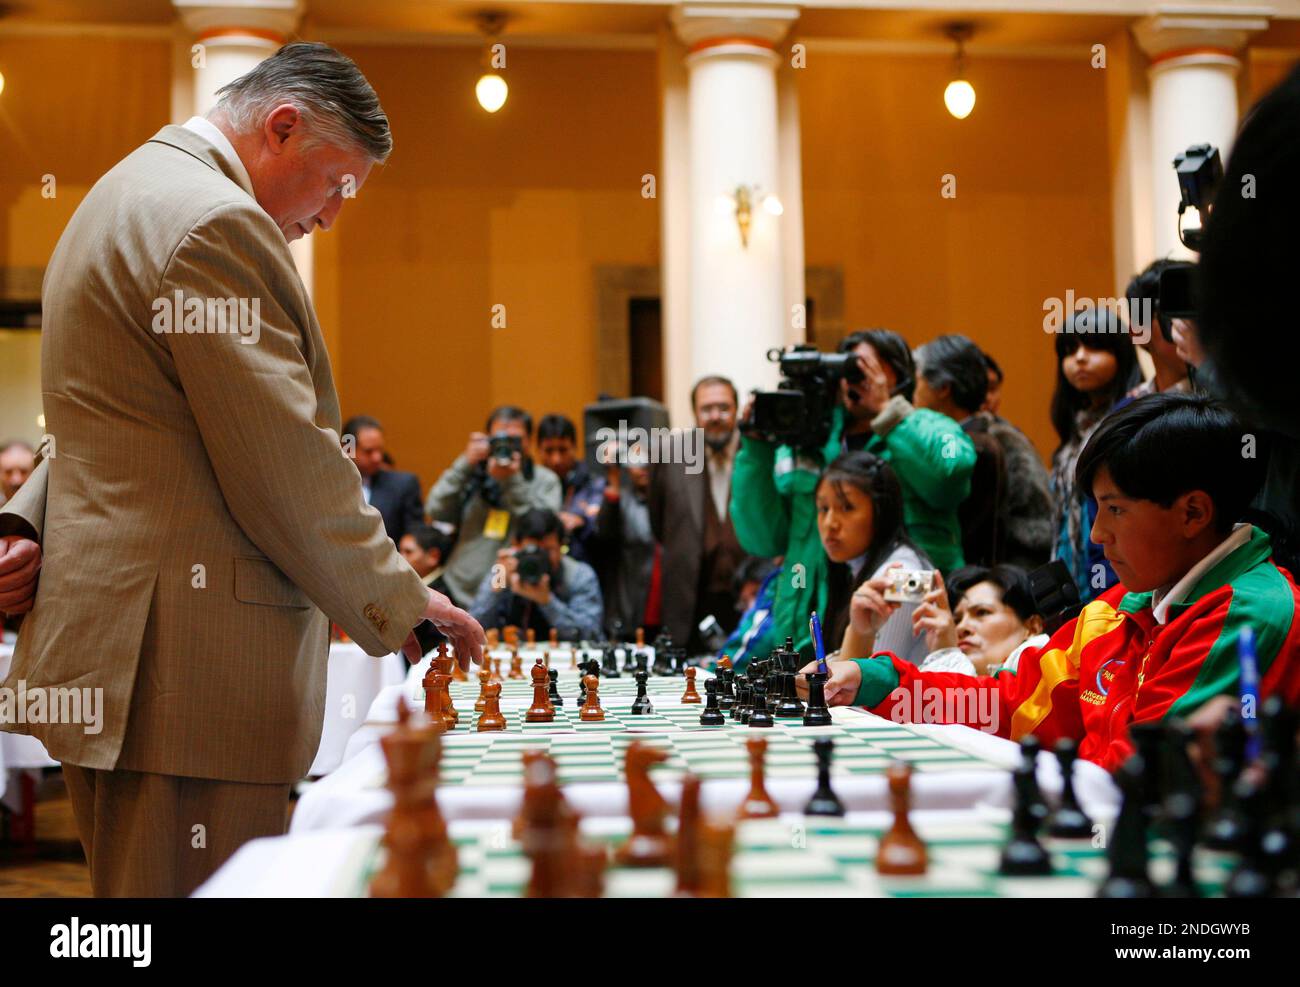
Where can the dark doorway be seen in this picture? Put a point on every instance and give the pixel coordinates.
(645, 348)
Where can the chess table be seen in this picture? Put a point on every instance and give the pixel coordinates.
(792, 856)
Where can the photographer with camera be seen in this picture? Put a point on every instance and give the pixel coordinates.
(534, 585)
(855, 399)
(485, 490)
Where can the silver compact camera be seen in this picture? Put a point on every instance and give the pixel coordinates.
(908, 585)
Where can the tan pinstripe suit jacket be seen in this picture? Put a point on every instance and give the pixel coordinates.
(179, 450)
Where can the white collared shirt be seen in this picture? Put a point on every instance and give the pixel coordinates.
(1162, 600)
(211, 133)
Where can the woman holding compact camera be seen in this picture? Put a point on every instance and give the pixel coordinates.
(860, 520)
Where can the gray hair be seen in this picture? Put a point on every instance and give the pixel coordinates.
(338, 105)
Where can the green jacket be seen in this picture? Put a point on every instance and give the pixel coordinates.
(774, 512)
(933, 459)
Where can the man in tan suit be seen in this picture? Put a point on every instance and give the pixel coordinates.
(197, 463)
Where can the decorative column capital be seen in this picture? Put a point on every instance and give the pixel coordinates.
(270, 20)
(1179, 35)
(736, 29)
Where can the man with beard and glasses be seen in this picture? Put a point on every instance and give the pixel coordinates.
(690, 516)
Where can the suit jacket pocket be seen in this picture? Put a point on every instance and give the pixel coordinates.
(260, 581)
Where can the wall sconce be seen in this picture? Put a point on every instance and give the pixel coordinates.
(741, 203)
(959, 96)
(491, 90)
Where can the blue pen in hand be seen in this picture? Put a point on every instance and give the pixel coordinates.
(815, 628)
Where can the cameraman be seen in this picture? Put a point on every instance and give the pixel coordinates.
(535, 585)
(484, 491)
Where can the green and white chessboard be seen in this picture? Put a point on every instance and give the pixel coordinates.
(864, 744)
(807, 857)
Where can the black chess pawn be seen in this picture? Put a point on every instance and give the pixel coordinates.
(760, 716)
(1069, 821)
(630, 659)
(641, 705)
(1226, 829)
(746, 703)
(1023, 855)
(556, 699)
(817, 714)
(711, 716)
(1127, 850)
(824, 801)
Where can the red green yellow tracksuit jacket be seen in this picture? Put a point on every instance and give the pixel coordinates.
(1115, 664)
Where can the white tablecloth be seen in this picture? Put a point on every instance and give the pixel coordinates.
(18, 752)
(353, 681)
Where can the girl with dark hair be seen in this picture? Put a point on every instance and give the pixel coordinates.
(860, 520)
(1096, 366)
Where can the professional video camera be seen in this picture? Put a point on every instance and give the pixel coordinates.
(798, 412)
(1199, 172)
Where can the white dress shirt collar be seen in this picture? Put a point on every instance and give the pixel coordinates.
(211, 133)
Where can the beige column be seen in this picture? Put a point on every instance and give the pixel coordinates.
(727, 132)
(226, 39)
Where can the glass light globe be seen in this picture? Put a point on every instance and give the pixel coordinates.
(2, 82)
(959, 97)
(491, 91)
(773, 205)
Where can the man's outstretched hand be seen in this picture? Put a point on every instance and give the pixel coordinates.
(463, 632)
(20, 568)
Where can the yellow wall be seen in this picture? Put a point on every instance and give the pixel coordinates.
(473, 211)
(1030, 219)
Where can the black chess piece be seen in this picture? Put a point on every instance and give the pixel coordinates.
(1127, 849)
(1029, 748)
(1277, 760)
(745, 700)
(610, 667)
(824, 801)
(788, 705)
(1150, 738)
(1181, 811)
(556, 699)
(630, 660)
(1226, 829)
(1023, 855)
(760, 716)
(711, 715)
(1251, 879)
(727, 696)
(641, 705)
(1069, 821)
(817, 714)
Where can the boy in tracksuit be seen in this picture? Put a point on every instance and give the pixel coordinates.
(1171, 478)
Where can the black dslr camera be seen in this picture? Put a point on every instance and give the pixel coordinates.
(1199, 173)
(798, 412)
(533, 563)
(502, 447)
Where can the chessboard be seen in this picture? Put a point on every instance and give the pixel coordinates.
(805, 857)
(864, 745)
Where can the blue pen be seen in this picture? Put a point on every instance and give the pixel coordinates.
(815, 628)
(1249, 690)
